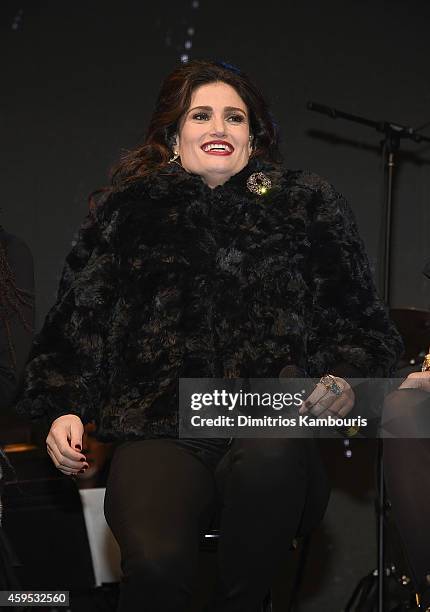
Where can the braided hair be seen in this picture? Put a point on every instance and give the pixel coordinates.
(12, 303)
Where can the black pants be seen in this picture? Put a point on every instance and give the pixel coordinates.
(407, 474)
(163, 494)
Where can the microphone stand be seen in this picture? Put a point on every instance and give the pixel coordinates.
(393, 134)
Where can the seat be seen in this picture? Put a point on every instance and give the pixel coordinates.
(209, 542)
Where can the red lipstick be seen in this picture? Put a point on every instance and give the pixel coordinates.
(217, 147)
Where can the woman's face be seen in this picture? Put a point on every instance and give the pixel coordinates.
(214, 138)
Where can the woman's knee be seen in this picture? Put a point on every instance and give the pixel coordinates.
(405, 400)
(162, 578)
(159, 567)
(405, 413)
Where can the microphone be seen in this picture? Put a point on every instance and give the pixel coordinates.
(322, 108)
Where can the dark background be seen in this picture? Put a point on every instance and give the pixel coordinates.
(79, 81)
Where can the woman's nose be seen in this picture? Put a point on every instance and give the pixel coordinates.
(218, 126)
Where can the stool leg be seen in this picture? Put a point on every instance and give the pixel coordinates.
(267, 603)
(300, 572)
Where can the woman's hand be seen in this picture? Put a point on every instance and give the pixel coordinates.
(322, 402)
(417, 380)
(64, 443)
(97, 454)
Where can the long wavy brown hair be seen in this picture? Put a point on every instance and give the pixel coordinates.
(172, 103)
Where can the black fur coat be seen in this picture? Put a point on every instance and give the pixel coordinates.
(171, 279)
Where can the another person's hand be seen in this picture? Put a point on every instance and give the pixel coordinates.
(417, 380)
(64, 444)
(323, 402)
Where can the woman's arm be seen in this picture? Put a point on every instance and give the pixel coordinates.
(66, 372)
(350, 326)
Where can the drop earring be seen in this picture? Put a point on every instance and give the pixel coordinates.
(174, 158)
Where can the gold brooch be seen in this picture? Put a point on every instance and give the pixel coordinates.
(259, 183)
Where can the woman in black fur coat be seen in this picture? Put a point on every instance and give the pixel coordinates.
(205, 259)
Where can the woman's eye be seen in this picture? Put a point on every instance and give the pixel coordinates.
(201, 116)
(236, 118)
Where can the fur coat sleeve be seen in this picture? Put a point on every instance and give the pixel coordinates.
(64, 374)
(350, 326)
